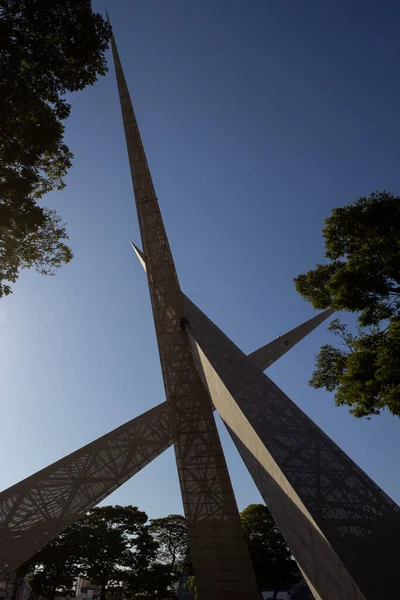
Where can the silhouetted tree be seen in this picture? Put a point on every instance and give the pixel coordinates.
(362, 245)
(47, 48)
(55, 568)
(116, 543)
(273, 563)
(171, 535)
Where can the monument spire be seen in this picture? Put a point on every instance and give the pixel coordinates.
(218, 547)
(340, 526)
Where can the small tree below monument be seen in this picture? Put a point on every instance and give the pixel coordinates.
(273, 563)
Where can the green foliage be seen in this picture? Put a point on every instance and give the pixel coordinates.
(55, 567)
(191, 586)
(156, 582)
(111, 546)
(171, 535)
(46, 50)
(41, 247)
(114, 547)
(273, 564)
(115, 541)
(362, 245)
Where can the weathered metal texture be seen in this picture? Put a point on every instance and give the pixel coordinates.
(221, 560)
(343, 530)
(37, 509)
(265, 356)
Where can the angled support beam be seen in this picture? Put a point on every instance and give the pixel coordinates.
(37, 509)
(265, 356)
(218, 546)
(268, 354)
(81, 480)
(343, 530)
(135, 444)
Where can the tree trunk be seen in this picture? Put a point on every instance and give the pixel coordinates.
(103, 590)
(276, 590)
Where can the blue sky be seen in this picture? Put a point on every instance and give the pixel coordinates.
(258, 118)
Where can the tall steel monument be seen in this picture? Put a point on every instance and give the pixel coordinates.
(343, 530)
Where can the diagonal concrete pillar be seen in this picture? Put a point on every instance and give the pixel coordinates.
(268, 354)
(71, 486)
(218, 547)
(265, 356)
(37, 509)
(343, 530)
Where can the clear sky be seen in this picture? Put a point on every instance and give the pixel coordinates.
(258, 118)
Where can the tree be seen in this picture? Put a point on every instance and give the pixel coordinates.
(157, 578)
(362, 245)
(47, 48)
(112, 547)
(41, 247)
(156, 582)
(273, 564)
(56, 566)
(117, 545)
(171, 535)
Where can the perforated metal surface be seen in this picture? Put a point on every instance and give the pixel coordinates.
(218, 547)
(343, 530)
(40, 507)
(37, 509)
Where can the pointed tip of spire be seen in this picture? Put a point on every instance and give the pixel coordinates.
(139, 254)
(109, 23)
(136, 249)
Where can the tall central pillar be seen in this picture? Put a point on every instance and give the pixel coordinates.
(221, 561)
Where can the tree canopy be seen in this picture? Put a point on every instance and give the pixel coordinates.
(47, 48)
(115, 542)
(171, 535)
(114, 547)
(56, 566)
(361, 275)
(273, 563)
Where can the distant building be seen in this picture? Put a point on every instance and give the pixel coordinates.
(23, 591)
(86, 590)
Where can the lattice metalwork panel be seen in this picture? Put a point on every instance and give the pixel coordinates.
(81, 480)
(321, 567)
(265, 356)
(40, 507)
(359, 521)
(212, 516)
(343, 530)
